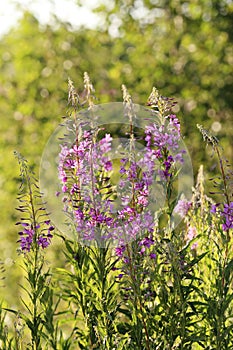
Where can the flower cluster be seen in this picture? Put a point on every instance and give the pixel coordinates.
(145, 244)
(226, 213)
(83, 196)
(83, 170)
(228, 216)
(143, 249)
(29, 235)
(162, 142)
(131, 226)
(182, 207)
(83, 164)
(85, 173)
(75, 162)
(36, 227)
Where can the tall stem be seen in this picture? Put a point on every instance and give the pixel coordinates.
(223, 174)
(129, 112)
(137, 296)
(228, 202)
(35, 333)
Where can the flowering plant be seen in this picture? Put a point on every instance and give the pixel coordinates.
(133, 275)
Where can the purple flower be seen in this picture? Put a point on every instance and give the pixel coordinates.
(163, 144)
(147, 242)
(122, 170)
(27, 236)
(25, 243)
(108, 165)
(183, 207)
(69, 163)
(194, 245)
(64, 188)
(152, 255)
(79, 169)
(119, 251)
(74, 189)
(43, 241)
(143, 249)
(226, 213)
(192, 232)
(142, 200)
(228, 216)
(82, 166)
(214, 208)
(105, 143)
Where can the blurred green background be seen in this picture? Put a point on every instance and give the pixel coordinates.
(184, 48)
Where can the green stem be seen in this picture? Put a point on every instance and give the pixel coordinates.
(227, 232)
(35, 333)
(223, 174)
(137, 297)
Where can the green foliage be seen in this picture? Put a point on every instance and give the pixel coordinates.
(185, 49)
(6, 341)
(90, 288)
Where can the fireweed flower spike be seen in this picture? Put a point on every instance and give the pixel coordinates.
(35, 236)
(222, 213)
(36, 229)
(163, 145)
(84, 169)
(161, 154)
(207, 136)
(226, 187)
(77, 171)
